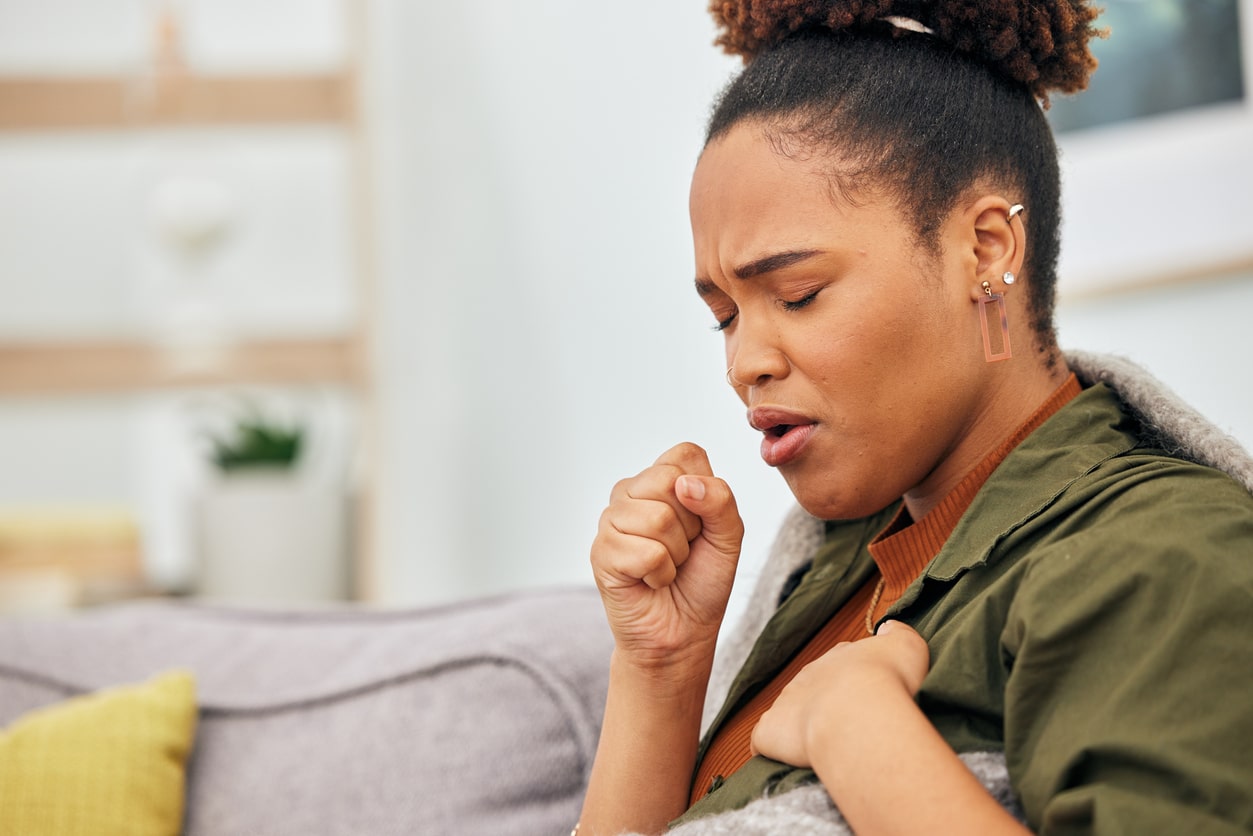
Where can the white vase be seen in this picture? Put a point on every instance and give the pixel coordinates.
(267, 535)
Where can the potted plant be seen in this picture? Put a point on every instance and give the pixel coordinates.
(270, 530)
(255, 443)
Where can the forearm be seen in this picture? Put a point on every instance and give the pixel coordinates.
(647, 750)
(889, 771)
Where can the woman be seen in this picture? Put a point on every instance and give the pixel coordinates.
(1015, 589)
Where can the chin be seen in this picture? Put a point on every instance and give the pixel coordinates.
(833, 501)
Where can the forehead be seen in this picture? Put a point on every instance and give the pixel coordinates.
(749, 197)
(743, 176)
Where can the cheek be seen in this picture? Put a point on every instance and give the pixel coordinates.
(918, 326)
(868, 331)
(840, 350)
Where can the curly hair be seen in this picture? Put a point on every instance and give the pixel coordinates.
(924, 117)
(1043, 46)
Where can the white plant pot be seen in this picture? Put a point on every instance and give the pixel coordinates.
(270, 536)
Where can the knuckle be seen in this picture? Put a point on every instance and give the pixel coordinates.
(606, 527)
(684, 455)
(604, 550)
(641, 558)
(724, 493)
(652, 483)
(620, 489)
(680, 552)
(692, 527)
(685, 450)
(663, 575)
(659, 516)
(655, 554)
(666, 473)
(920, 645)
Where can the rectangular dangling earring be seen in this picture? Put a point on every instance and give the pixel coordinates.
(996, 331)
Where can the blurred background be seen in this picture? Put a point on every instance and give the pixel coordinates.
(313, 300)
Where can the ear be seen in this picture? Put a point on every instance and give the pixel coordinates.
(998, 239)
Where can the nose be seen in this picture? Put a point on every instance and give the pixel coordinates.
(754, 356)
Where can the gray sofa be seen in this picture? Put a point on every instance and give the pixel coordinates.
(476, 718)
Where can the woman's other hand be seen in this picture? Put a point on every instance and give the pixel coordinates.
(664, 559)
(824, 698)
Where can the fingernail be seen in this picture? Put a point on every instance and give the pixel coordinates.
(885, 628)
(692, 488)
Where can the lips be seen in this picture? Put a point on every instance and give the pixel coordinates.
(785, 433)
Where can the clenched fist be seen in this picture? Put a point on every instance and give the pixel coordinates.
(664, 559)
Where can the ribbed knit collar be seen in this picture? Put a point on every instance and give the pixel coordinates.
(903, 549)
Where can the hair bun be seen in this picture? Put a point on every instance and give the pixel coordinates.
(1041, 45)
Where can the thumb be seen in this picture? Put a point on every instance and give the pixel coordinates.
(710, 498)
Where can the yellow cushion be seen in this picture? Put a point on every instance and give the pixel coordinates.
(99, 764)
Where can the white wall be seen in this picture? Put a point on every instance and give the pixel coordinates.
(539, 337)
(1195, 337)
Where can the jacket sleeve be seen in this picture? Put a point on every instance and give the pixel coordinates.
(1129, 703)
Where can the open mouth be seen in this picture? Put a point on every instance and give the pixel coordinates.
(784, 443)
(784, 433)
(779, 430)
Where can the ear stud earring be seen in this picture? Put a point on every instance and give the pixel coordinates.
(1009, 277)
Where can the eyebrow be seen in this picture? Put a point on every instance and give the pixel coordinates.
(770, 263)
(760, 266)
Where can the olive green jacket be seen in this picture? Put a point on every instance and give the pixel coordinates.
(1091, 617)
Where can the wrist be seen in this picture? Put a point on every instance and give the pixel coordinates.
(647, 748)
(664, 675)
(682, 662)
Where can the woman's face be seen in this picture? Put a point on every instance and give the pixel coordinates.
(857, 352)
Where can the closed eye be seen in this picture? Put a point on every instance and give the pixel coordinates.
(800, 303)
(724, 324)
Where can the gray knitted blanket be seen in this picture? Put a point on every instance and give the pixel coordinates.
(1172, 425)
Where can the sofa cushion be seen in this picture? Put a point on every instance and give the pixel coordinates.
(109, 763)
(479, 717)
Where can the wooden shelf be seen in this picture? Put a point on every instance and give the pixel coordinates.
(55, 103)
(27, 369)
